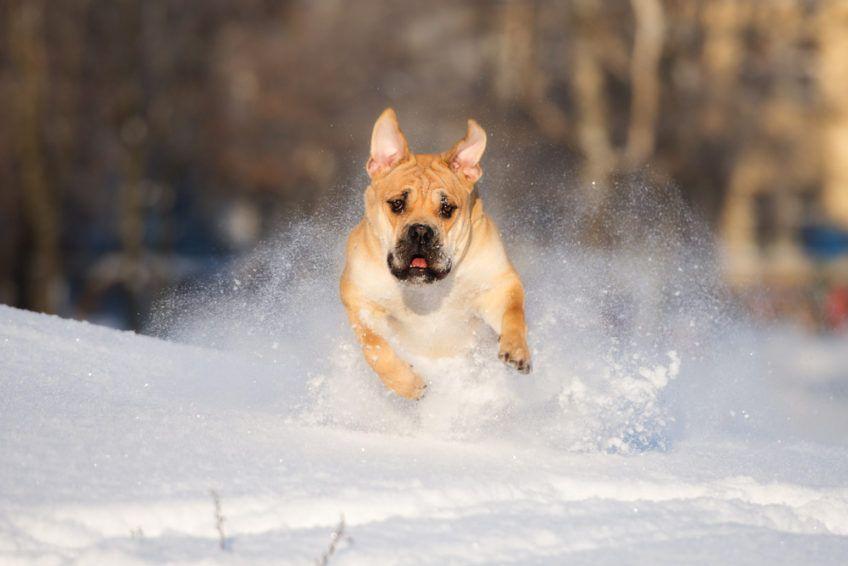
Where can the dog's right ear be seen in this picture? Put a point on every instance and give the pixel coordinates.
(465, 156)
(388, 146)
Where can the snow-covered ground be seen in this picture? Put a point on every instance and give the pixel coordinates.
(112, 441)
(656, 429)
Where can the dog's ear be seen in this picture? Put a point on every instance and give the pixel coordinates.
(465, 156)
(388, 146)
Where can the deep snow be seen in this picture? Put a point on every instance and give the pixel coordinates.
(112, 441)
(658, 427)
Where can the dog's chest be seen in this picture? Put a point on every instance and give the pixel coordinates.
(433, 320)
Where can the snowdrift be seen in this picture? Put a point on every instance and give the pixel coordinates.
(111, 443)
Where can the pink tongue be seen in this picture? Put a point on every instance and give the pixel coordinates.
(419, 262)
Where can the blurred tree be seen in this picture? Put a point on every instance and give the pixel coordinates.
(40, 269)
(833, 78)
(142, 140)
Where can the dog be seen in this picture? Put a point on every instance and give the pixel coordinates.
(426, 265)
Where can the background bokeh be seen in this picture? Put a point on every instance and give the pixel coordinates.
(145, 144)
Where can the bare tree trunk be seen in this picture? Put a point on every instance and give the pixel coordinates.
(40, 208)
(722, 22)
(644, 80)
(592, 128)
(833, 80)
(519, 78)
(742, 259)
(514, 53)
(134, 127)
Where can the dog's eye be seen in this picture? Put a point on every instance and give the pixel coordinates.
(446, 209)
(397, 205)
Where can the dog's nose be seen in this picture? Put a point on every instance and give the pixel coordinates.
(421, 234)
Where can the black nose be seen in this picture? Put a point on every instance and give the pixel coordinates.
(421, 234)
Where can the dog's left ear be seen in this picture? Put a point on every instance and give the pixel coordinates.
(465, 156)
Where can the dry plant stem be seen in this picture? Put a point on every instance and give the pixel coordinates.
(335, 538)
(219, 520)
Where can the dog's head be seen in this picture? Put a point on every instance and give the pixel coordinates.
(420, 205)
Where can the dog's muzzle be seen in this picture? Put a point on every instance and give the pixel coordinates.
(418, 257)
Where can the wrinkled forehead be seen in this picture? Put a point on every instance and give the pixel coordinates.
(426, 173)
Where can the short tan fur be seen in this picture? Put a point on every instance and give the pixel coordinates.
(426, 265)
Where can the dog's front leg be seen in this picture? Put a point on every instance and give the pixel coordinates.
(389, 367)
(503, 309)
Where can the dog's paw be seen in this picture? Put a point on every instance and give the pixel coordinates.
(515, 352)
(414, 391)
(407, 384)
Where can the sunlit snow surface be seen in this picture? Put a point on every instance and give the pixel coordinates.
(657, 427)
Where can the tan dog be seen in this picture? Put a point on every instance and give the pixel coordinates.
(426, 264)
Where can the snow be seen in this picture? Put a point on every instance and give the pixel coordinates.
(656, 429)
(111, 442)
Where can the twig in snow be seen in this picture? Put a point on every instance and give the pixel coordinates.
(219, 520)
(335, 538)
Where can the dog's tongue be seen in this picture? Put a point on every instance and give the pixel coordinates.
(419, 262)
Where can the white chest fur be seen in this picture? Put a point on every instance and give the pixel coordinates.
(436, 319)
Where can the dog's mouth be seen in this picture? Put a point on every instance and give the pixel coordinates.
(419, 268)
